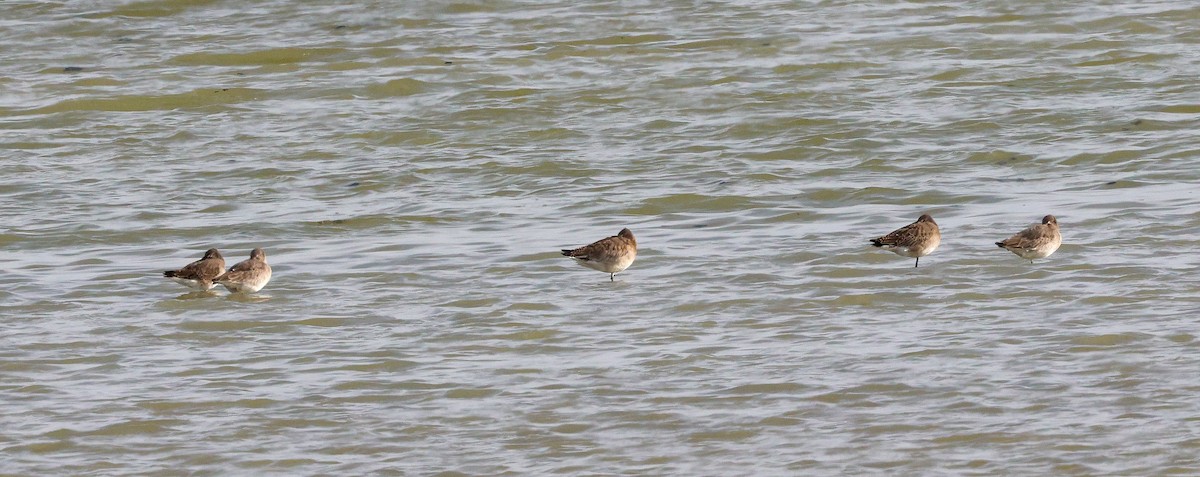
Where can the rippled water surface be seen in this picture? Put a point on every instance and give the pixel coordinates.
(412, 169)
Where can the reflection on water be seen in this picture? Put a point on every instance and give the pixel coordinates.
(243, 298)
(195, 295)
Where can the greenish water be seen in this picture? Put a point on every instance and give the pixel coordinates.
(413, 170)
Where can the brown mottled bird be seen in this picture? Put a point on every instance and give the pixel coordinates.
(610, 255)
(247, 276)
(199, 274)
(917, 239)
(1036, 241)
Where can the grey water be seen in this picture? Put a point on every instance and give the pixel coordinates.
(412, 170)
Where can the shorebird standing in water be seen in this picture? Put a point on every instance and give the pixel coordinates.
(610, 255)
(247, 276)
(200, 274)
(917, 239)
(1036, 241)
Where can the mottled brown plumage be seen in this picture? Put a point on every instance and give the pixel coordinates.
(610, 255)
(917, 239)
(1036, 241)
(199, 274)
(247, 276)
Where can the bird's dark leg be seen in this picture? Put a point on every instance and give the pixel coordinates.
(610, 277)
(918, 262)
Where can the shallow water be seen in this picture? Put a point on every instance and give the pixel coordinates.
(412, 172)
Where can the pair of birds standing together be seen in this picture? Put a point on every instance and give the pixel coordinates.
(918, 239)
(247, 276)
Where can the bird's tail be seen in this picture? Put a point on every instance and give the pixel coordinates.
(170, 273)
